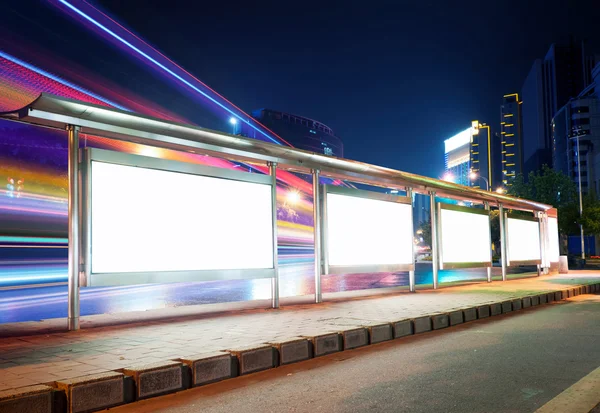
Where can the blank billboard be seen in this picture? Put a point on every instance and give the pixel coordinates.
(523, 240)
(554, 252)
(465, 237)
(367, 232)
(148, 220)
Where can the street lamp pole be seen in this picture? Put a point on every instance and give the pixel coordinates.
(474, 175)
(580, 200)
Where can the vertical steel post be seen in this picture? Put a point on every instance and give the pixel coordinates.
(73, 266)
(580, 199)
(411, 273)
(503, 235)
(434, 239)
(275, 279)
(489, 269)
(317, 234)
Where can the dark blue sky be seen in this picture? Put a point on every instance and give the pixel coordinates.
(393, 79)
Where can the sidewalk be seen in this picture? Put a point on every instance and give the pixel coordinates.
(175, 354)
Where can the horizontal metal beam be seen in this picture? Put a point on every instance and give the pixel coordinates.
(56, 112)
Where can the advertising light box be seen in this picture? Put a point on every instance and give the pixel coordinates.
(554, 252)
(149, 220)
(367, 234)
(464, 237)
(523, 241)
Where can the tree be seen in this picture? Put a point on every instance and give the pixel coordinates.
(557, 189)
(425, 227)
(550, 187)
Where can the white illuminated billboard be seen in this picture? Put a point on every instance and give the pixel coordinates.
(523, 240)
(368, 232)
(465, 237)
(554, 252)
(147, 220)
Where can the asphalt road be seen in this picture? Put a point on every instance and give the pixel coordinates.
(511, 363)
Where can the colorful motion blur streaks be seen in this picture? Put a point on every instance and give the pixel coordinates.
(33, 190)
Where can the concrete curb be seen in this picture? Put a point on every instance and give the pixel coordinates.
(101, 391)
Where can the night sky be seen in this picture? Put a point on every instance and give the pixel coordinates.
(392, 80)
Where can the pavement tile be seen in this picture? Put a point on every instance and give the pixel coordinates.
(38, 359)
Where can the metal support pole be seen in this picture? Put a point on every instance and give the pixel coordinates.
(275, 279)
(503, 249)
(580, 199)
(411, 273)
(434, 239)
(317, 234)
(73, 267)
(489, 269)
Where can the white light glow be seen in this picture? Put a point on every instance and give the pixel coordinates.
(523, 240)
(363, 231)
(465, 237)
(152, 220)
(458, 140)
(554, 252)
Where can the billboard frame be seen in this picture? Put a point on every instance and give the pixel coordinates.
(355, 269)
(87, 278)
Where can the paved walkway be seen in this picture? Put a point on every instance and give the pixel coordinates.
(36, 359)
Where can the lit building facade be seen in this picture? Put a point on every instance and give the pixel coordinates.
(301, 132)
(511, 135)
(579, 122)
(469, 152)
(563, 73)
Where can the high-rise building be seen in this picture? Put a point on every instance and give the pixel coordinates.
(469, 152)
(576, 137)
(301, 132)
(511, 144)
(562, 75)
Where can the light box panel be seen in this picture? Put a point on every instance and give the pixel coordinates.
(554, 252)
(363, 232)
(149, 220)
(465, 237)
(523, 241)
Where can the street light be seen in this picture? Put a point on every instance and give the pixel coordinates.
(233, 122)
(473, 175)
(500, 190)
(580, 196)
(448, 177)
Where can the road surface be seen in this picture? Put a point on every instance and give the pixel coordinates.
(511, 363)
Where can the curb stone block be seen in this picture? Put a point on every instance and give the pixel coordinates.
(294, 350)
(551, 297)
(30, 399)
(326, 343)
(526, 302)
(156, 378)
(543, 298)
(470, 314)
(211, 367)
(506, 307)
(564, 295)
(255, 358)
(422, 324)
(403, 328)
(517, 304)
(535, 300)
(483, 311)
(495, 309)
(585, 290)
(380, 332)
(93, 392)
(558, 296)
(357, 337)
(440, 321)
(456, 317)
(575, 292)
